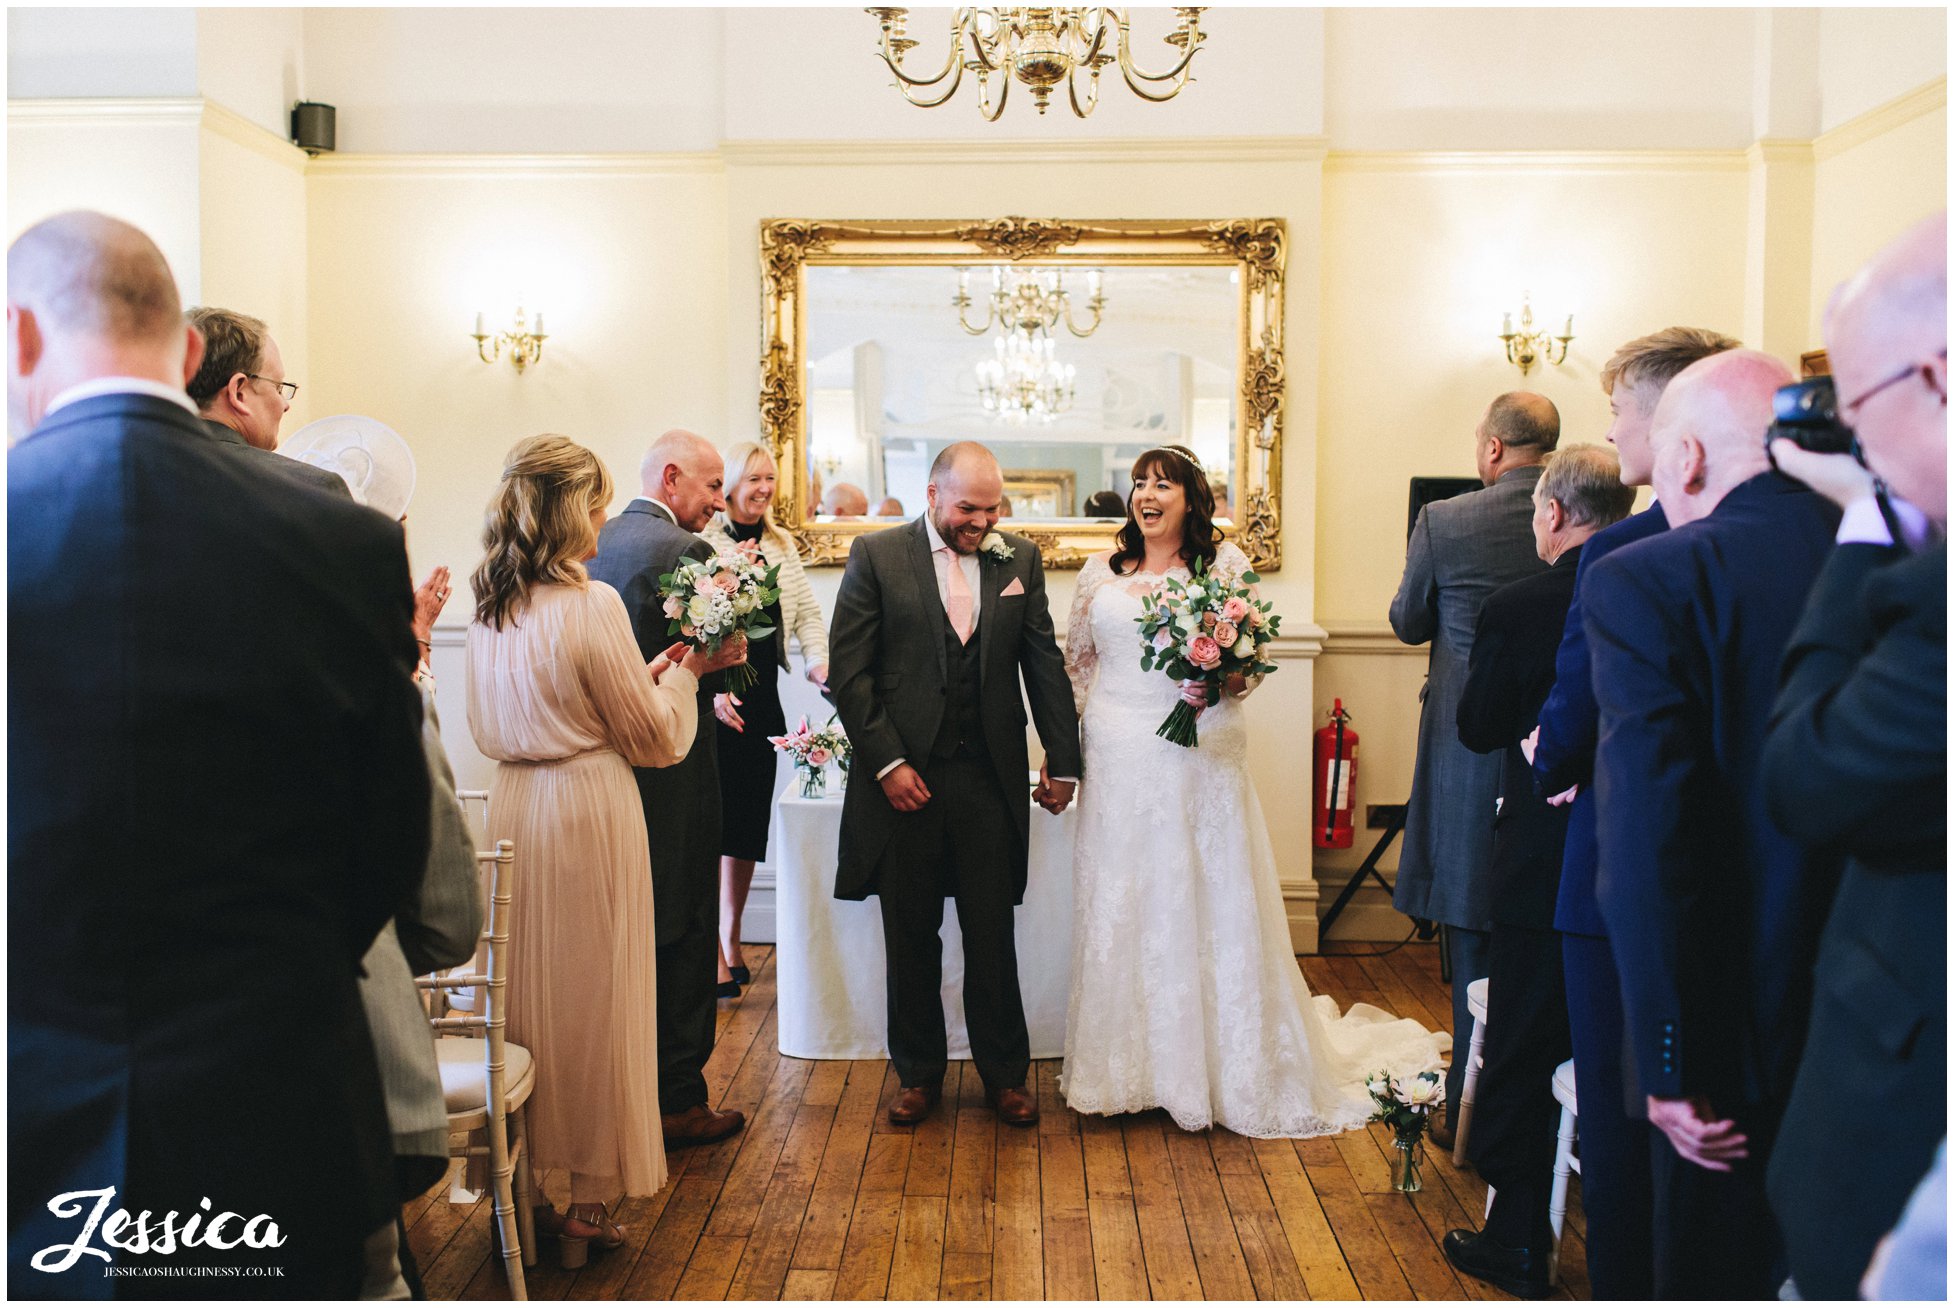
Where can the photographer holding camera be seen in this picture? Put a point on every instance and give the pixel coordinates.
(1856, 763)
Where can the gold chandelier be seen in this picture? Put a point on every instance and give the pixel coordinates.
(1025, 382)
(1029, 301)
(1041, 48)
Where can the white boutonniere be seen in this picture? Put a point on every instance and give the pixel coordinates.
(993, 545)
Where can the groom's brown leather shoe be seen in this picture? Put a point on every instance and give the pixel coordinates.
(1014, 1107)
(699, 1125)
(913, 1103)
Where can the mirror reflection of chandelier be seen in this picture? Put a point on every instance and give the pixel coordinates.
(1025, 382)
(1029, 300)
(1041, 48)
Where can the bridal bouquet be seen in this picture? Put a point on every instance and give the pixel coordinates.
(1406, 1105)
(1208, 628)
(708, 600)
(810, 751)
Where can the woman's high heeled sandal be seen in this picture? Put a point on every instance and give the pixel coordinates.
(573, 1251)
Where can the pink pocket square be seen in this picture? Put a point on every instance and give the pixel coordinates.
(1015, 588)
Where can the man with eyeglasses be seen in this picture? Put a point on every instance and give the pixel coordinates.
(241, 392)
(1856, 762)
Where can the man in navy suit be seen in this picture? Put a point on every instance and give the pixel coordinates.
(1614, 1143)
(1857, 765)
(216, 777)
(682, 477)
(1713, 913)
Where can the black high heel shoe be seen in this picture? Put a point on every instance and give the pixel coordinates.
(729, 990)
(742, 975)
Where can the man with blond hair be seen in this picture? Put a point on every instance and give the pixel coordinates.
(216, 776)
(1712, 912)
(1614, 1144)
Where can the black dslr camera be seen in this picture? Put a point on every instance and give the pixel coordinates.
(1806, 413)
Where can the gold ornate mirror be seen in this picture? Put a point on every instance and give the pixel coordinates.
(1066, 347)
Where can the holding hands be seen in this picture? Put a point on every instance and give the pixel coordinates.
(1052, 796)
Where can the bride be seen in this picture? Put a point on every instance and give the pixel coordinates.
(1185, 990)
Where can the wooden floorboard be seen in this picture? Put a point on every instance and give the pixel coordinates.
(822, 1197)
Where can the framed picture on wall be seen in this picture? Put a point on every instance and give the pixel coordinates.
(1041, 492)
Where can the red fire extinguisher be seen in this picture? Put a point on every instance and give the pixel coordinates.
(1336, 783)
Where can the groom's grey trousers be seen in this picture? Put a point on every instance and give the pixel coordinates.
(955, 846)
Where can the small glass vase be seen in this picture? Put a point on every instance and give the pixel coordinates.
(1408, 1164)
(842, 764)
(814, 783)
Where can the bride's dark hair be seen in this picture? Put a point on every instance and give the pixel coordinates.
(1200, 538)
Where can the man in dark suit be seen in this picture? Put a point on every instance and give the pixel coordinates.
(683, 478)
(1461, 551)
(241, 391)
(934, 622)
(1614, 1140)
(1856, 764)
(1507, 678)
(1712, 912)
(215, 776)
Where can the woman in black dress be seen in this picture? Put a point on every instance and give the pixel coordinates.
(746, 760)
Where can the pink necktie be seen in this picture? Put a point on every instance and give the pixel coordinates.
(959, 590)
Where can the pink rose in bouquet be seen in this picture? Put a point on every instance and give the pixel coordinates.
(1209, 629)
(1234, 610)
(1204, 652)
(1225, 633)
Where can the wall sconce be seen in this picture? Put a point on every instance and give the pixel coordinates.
(525, 346)
(1527, 345)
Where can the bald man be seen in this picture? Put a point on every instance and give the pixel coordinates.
(935, 623)
(1461, 550)
(1712, 912)
(216, 776)
(1857, 762)
(682, 479)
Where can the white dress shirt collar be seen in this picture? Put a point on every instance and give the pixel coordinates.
(95, 386)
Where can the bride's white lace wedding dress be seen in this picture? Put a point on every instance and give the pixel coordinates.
(1185, 990)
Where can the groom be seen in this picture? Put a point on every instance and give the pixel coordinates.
(933, 624)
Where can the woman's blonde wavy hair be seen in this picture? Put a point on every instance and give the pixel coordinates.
(537, 529)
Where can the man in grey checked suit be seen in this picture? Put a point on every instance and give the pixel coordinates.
(683, 477)
(1461, 551)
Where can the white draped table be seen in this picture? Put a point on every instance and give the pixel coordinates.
(828, 958)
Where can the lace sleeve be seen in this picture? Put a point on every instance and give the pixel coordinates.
(1081, 655)
(1229, 557)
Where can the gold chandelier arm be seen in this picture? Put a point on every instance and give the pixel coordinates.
(1092, 91)
(1073, 327)
(952, 66)
(983, 93)
(1177, 75)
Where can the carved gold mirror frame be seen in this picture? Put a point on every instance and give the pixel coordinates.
(1255, 246)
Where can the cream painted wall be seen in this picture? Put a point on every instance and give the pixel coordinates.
(510, 80)
(253, 200)
(628, 263)
(1421, 256)
(252, 61)
(1872, 191)
(136, 161)
(65, 50)
(1532, 79)
(1870, 56)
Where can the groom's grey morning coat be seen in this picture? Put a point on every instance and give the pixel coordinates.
(886, 669)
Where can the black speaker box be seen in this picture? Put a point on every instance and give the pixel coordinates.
(313, 127)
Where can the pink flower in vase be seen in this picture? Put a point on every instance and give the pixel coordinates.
(818, 756)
